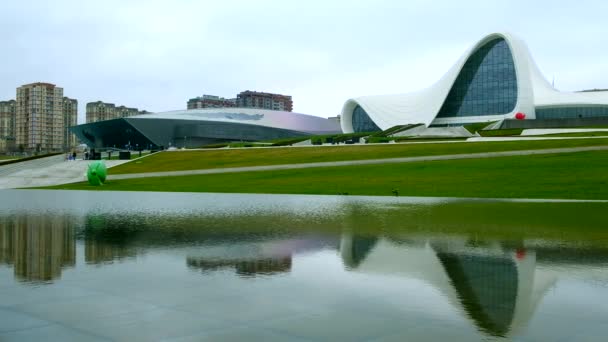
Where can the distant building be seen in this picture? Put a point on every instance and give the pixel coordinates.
(335, 119)
(39, 120)
(101, 111)
(70, 119)
(210, 101)
(7, 125)
(254, 99)
(199, 127)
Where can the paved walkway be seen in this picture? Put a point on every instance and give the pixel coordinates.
(357, 162)
(47, 171)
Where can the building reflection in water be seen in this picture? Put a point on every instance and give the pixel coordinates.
(245, 268)
(498, 287)
(37, 247)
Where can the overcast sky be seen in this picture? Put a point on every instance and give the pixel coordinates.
(155, 55)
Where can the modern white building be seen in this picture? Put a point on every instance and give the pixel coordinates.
(494, 80)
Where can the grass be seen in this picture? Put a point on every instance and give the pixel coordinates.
(3, 157)
(194, 160)
(570, 175)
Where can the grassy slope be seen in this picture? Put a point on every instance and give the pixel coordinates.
(193, 160)
(572, 175)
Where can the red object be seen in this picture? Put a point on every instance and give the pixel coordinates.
(520, 254)
(520, 116)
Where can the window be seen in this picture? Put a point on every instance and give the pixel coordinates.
(572, 112)
(362, 122)
(486, 85)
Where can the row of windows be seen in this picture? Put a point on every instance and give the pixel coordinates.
(486, 85)
(572, 112)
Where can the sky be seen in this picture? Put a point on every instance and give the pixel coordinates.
(155, 55)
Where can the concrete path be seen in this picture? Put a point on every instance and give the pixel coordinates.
(47, 171)
(544, 131)
(357, 162)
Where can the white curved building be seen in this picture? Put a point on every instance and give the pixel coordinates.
(496, 79)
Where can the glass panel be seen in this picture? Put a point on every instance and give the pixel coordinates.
(362, 122)
(487, 84)
(571, 112)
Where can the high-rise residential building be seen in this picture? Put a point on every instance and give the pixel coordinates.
(7, 125)
(100, 111)
(70, 119)
(210, 101)
(39, 124)
(254, 99)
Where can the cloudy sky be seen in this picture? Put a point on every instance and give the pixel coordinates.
(155, 55)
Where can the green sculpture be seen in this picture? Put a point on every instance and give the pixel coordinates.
(97, 173)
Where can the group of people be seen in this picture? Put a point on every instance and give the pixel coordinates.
(71, 156)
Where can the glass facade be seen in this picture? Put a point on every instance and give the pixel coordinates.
(572, 112)
(362, 121)
(487, 84)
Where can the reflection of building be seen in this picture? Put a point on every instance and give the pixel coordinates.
(199, 127)
(38, 247)
(100, 252)
(210, 101)
(495, 80)
(497, 288)
(244, 267)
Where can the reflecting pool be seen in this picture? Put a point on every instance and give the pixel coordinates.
(189, 267)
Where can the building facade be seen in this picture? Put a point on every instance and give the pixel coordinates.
(7, 125)
(39, 122)
(70, 119)
(254, 99)
(495, 80)
(210, 101)
(100, 111)
(201, 127)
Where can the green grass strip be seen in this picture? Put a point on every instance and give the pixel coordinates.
(569, 176)
(198, 160)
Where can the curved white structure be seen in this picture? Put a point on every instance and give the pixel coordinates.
(495, 79)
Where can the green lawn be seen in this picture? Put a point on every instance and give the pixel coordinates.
(209, 159)
(570, 175)
(3, 157)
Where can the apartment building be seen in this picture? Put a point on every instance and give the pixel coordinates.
(210, 101)
(101, 111)
(39, 120)
(7, 125)
(254, 99)
(70, 118)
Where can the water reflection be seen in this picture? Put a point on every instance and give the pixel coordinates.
(496, 284)
(37, 247)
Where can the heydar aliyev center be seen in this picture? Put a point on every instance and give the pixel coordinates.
(495, 80)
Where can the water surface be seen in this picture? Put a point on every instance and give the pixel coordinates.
(189, 267)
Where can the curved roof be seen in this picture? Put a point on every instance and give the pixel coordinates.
(251, 116)
(423, 106)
